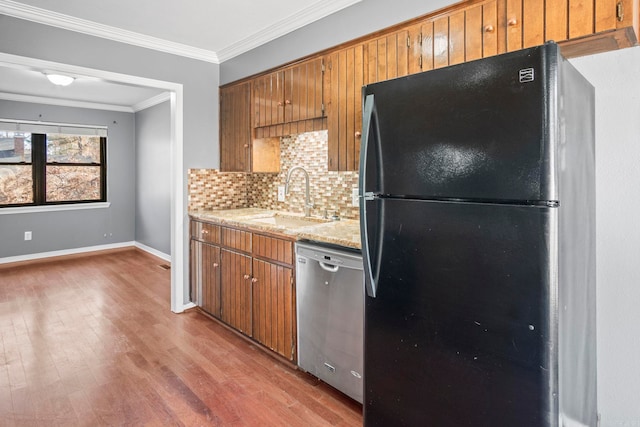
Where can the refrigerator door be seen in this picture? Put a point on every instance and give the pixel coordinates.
(461, 332)
(478, 130)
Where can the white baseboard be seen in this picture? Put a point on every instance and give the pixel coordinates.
(30, 257)
(185, 307)
(152, 251)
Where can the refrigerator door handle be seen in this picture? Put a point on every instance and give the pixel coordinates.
(367, 118)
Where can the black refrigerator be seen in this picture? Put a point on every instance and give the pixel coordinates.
(478, 224)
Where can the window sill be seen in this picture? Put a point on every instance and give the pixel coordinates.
(53, 208)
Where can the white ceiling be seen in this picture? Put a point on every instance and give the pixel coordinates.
(209, 30)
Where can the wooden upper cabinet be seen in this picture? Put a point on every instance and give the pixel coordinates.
(304, 91)
(473, 30)
(464, 34)
(268, 99)
(235, 128)
(293, 99)
(580, 26)
(346, 75)
(388, 56)
(289, 95)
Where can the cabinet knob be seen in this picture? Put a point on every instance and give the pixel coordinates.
(254, 280)
(279, 103)
(205, 231)
(358, 134)
(287, 102)
(246, 145)
(215, 265)
(512, 22)
(489, 29)
(246, 276)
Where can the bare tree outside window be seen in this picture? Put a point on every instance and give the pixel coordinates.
(16, 179)
(65, 181)
(38, 169)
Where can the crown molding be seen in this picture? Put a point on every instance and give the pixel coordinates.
(288, 24)
(154, 100)
(64, 102)
(66, 22)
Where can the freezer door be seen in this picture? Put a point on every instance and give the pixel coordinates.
(462, 331)
(482, 130)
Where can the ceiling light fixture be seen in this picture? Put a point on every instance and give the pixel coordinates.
(60, 80)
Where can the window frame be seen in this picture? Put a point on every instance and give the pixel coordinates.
(39, 173)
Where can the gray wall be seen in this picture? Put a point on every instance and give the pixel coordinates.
(153, 177)
(200, 79)
(200, 82)
(615, 77)
(53, 231)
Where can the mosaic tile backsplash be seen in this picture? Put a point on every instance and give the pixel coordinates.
(330, 191)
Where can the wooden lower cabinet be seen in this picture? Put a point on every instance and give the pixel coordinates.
(205, 276)
(274, 308)
(247, 281)
(235, 290)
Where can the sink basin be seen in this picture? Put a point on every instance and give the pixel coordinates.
(287, 221)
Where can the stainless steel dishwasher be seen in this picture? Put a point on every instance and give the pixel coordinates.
(330, 313)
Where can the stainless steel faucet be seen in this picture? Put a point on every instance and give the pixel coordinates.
(307, 202)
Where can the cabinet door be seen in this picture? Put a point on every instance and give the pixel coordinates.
(289, 95)
(268, 99)
(274, 308)
(344, 114)
(461, 36)
(204, 276)
(235, 290)
(421, 47)
(235, 128)
(303, 91)
(606, 15)
(195, 271)
(211, 279)
(388, 57)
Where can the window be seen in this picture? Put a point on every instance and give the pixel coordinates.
(63, 165)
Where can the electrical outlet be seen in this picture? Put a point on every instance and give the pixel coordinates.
(28, 235)
(355, 199)
(281, 193)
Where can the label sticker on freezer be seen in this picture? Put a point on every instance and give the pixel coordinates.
(526, 75)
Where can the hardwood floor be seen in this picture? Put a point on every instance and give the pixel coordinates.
(91, 341)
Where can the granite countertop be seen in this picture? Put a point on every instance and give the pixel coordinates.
(345, 232)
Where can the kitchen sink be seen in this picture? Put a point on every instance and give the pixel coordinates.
(286, 221)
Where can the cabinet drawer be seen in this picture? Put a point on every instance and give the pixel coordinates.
(236, 239)
(272, 248)
(205, 232)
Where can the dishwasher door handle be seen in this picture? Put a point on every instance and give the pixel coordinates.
(328, 267)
